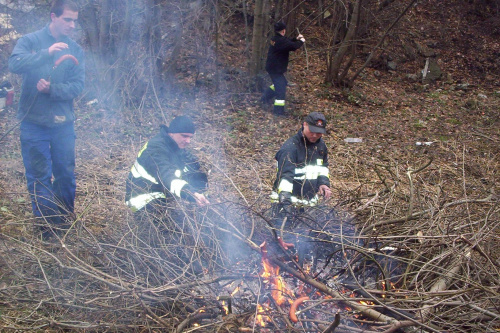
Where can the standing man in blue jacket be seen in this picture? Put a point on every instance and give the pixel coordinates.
(277, 64)
(53, 70)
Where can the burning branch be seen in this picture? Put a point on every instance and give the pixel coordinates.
(365, 310)
(293, 308)
(199, 315)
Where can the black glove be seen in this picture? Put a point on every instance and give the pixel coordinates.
(285, 203)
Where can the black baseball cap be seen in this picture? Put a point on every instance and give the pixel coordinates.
(316, 122)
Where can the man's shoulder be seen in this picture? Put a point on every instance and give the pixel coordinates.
(291, 143)
(34, 35)
(162, 141)
(280, 39)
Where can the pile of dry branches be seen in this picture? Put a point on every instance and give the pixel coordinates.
(414, 240)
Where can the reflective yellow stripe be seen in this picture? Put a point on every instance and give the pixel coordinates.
(272, 87)
(279, 102)
(176, 186)
(138, 171)
(285, 185)
(142, 149)
(296, 201)
(138, 202)
(312, 172)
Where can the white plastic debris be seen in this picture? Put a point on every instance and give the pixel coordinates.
(351, 140)
(92, 102)
(427, 143)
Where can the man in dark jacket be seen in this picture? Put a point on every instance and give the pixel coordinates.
(53, 72)
(277, 64)
(165, 170)
(302, 164)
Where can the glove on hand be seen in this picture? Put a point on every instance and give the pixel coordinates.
(285, 199)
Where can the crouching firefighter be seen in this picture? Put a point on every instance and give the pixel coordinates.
(302, 170)
(164, 171)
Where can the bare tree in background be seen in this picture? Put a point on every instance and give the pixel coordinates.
(108, 26)
(347, 45)
(259, 39)
(347, 37)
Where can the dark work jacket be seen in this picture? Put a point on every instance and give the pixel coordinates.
(162, 167)
(31, 58)
(278, 53)
(303, 164)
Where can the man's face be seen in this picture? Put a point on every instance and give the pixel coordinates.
(311, 136)
(64, 24)
(182, 139)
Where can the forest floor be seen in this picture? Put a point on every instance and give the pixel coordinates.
(457, 117)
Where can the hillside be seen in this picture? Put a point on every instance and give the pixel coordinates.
(436, 203)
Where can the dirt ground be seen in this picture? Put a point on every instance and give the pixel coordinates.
(456, 118)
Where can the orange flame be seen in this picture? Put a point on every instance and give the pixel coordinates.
(261, 318)
(272, 277)
(276, 282)
(235, 291)
(225, 307)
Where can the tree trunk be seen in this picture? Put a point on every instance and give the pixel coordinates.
(259, 37)
(346, 45)
(412, 2)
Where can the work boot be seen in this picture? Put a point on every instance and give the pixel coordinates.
(279, 110)
(266, 103)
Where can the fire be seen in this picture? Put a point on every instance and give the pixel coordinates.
(276, 282)
(225, 304)
(225, 307)
(384, 287)
(272, 277)
(261, 318)
(235, 291)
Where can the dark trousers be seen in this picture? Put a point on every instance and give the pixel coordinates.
(49, 160)
(278, 92)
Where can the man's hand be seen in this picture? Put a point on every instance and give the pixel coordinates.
(200, 199)
(43, 86)
(325, 191)
(301, 38)
(57, 47)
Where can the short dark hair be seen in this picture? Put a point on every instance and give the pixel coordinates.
(58, 6)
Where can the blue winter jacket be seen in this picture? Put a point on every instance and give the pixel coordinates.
(31, 58)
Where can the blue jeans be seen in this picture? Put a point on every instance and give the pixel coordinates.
(47, 152)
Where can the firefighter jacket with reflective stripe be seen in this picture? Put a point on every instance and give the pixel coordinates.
(163, 170)
(278, 53)
(302, 169)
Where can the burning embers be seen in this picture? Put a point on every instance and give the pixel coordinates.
(307, 295)
(316, 283)
(282, 295)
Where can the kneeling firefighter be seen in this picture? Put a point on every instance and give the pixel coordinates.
(165, 170)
